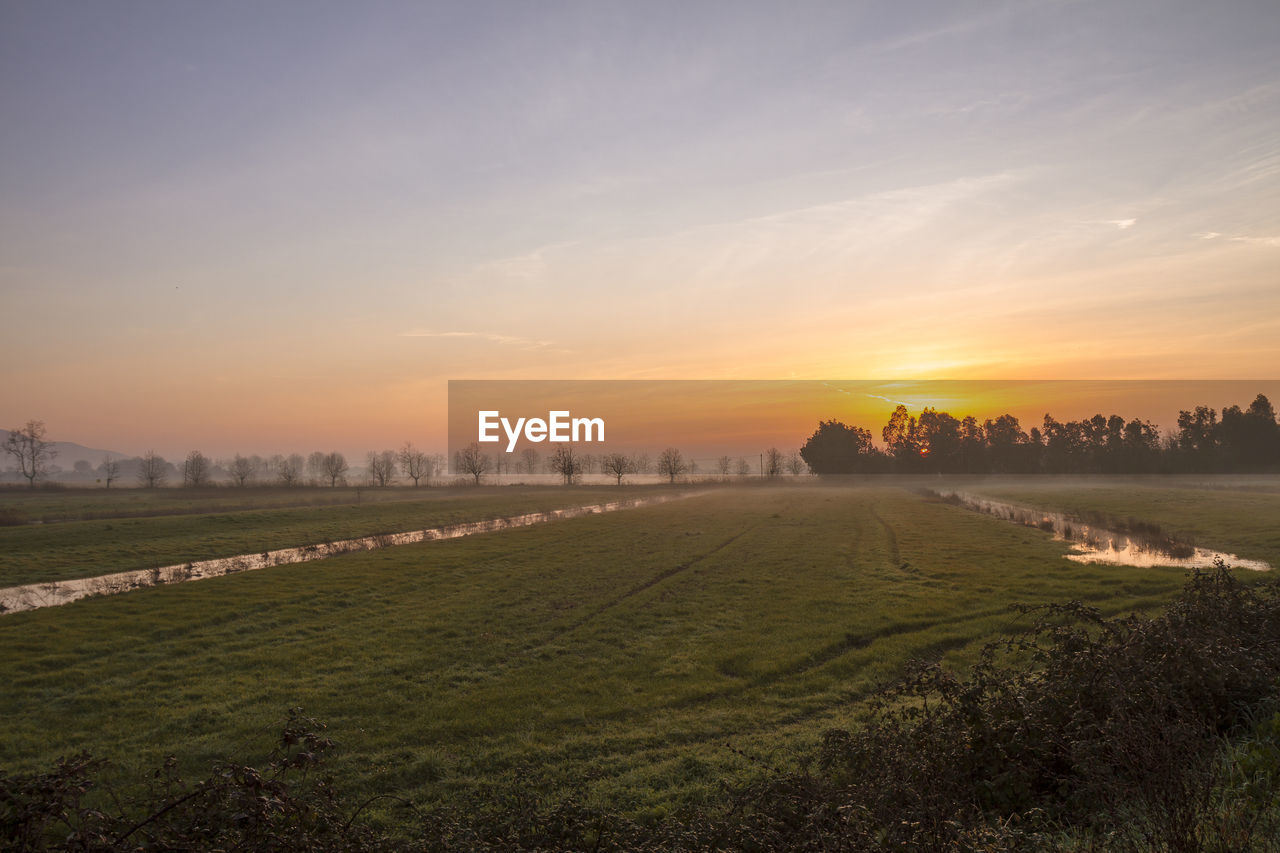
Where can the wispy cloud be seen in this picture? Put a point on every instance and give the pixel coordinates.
(503, 340)
(888, 399)
(1238, 238)
(529, 267)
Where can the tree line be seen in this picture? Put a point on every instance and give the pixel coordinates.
(1234, 441)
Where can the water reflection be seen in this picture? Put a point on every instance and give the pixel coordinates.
(1145, 545)
(33, 596)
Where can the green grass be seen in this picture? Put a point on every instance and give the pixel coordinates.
(627, 651)
(1245, 522)
(38, 553)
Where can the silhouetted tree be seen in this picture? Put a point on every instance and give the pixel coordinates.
(31, 451)
(566, 462)
(110, 469)
(836, 448)
(152, 470)
(288, 469)
(381, 467)
(671, 464)
(414, 463)
(1005, 444)
(472, 461)
(242, 470)
(773, 463)
(618, 465)
(334, 467)
(195, 470)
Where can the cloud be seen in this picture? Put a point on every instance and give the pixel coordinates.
(503, 340)
(528, 267)
(888, 400)
(1239, 238)
(1122, 224)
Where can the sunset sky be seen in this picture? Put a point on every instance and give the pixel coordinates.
(264, 227)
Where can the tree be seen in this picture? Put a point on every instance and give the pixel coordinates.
(724, 465)
(335, 467)
(836, 448)
(288, 469)
(195, 470)
(414, 463)
(899, 436)
(743, 467)
(795, 465)
(618, 465)
(381, 467)
(110, 469)
(567, 462)
(773, 463)
(472, 461)
(242, 469)
(315, 466)
(32, 452)
(530, 460)
(152, 470)
(671, 464)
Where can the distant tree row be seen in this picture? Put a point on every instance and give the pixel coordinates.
(1241, 440)
(472, 461)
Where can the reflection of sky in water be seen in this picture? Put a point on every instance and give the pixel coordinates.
(32, 596)
(1097, 545)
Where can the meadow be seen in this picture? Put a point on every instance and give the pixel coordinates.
(643, 657)
(84, 533)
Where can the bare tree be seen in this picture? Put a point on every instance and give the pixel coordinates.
(414, 463)
(195, 469)
(773, 463)
(644, 465)
(110, 469)
(795, 465)
(315, 466)
(335, 467)
(618, 465)
(152, 470)
(744, 467)
(473, 461)
(530, 459)
(724, 465)
(381, 467)
(242, 470)
(566, 462)
(671, 464)
(288, 469)
(32, 452)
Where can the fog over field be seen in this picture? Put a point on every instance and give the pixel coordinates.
(619, 426)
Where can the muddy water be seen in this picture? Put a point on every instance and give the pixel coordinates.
(32, 596)
(1093, 544)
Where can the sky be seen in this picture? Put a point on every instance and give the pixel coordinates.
(264, 227)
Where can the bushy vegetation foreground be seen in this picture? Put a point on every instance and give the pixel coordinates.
(1130, 733)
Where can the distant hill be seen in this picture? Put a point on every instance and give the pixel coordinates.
(69, 453)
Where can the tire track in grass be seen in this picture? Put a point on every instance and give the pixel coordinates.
(651, 582)
(891, 538)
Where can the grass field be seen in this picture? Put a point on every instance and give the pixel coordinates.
(150, 528)
(633, 653)
(1241, 515)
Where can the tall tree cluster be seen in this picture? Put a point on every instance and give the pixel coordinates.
(1240, 440)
